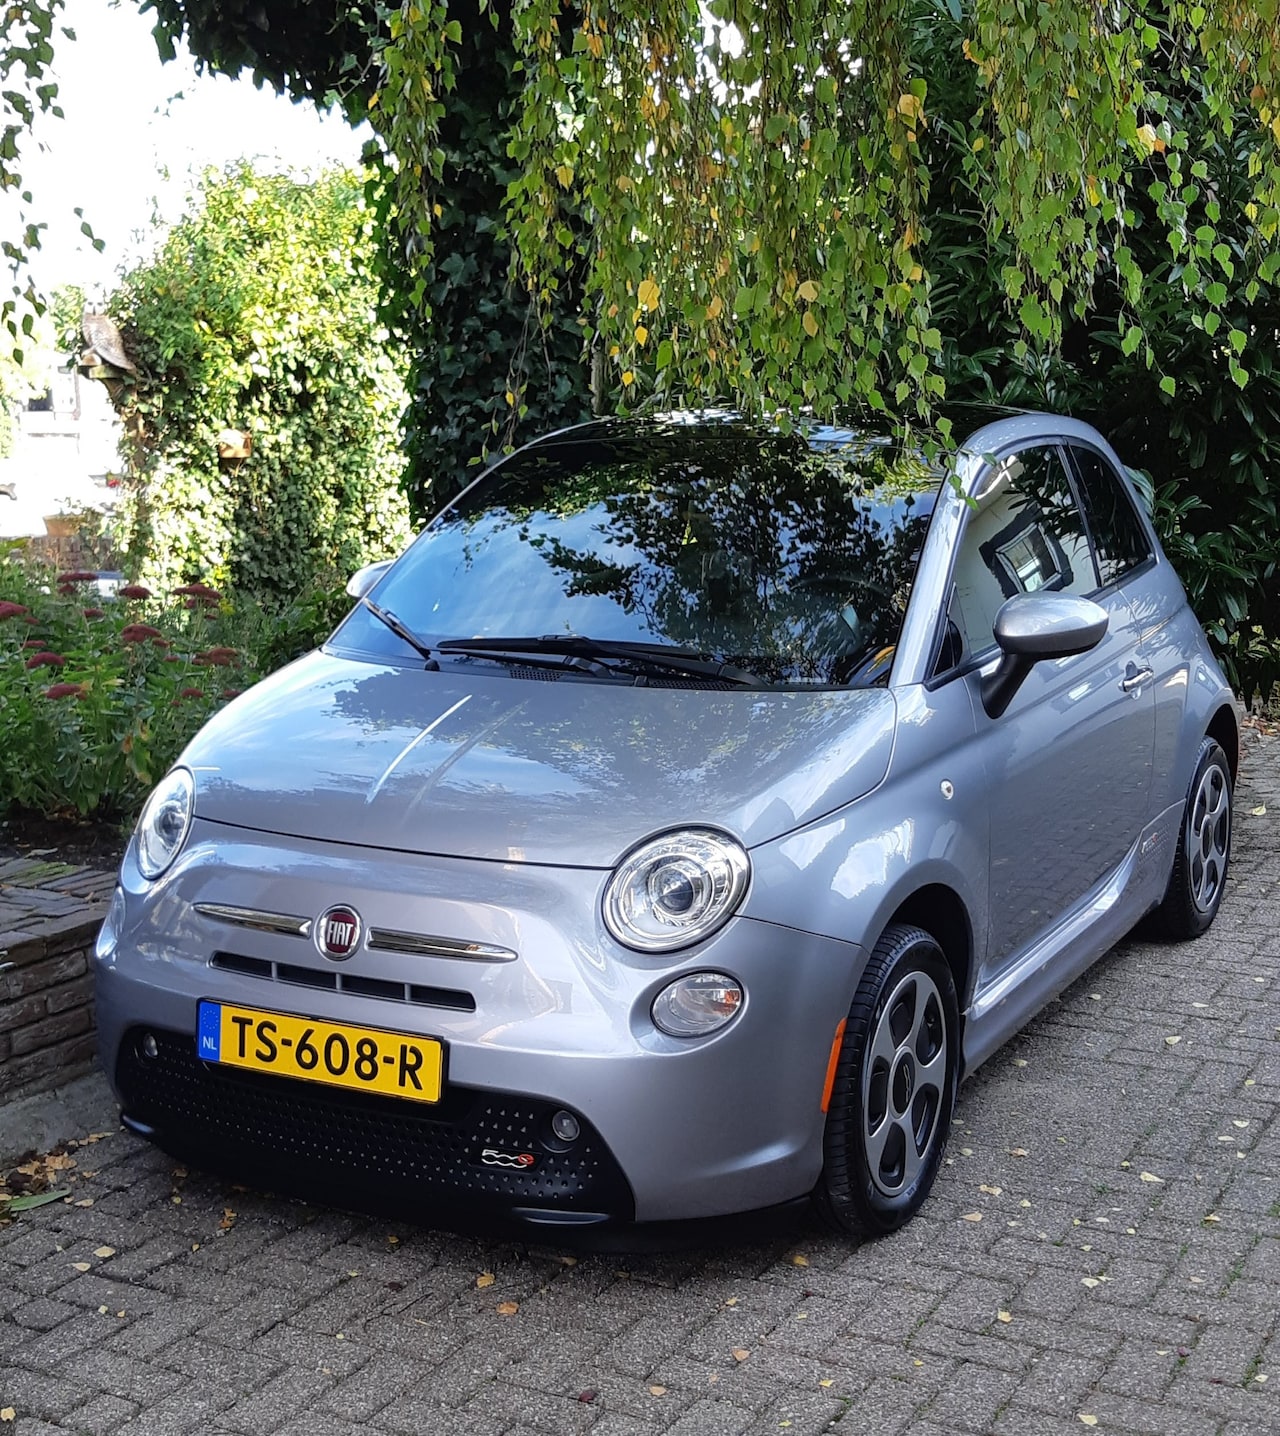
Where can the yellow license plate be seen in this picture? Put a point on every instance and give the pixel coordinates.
(363, 1059)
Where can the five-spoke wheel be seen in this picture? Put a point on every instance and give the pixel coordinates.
(894, 1086)
(1199, 872)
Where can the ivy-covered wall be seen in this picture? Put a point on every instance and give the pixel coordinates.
(263, 427)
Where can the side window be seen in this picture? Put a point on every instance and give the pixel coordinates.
(1023, 532)
(1118, 537)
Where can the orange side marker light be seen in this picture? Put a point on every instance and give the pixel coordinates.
(832, 1063)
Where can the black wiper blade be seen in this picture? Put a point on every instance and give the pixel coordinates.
(651, 657)
(399, 629)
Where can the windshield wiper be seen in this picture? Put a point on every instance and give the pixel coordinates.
(400, 631)
(659, 658)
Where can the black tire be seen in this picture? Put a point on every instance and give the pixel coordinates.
(1199, 875)
(891, 1088)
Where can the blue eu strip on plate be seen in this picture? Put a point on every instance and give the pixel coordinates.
(209, 1036)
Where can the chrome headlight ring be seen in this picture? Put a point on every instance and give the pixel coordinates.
(676, 889)
(166, 819)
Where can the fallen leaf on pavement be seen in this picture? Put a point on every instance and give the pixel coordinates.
(1172, 1041)
(1150, 1177)
(1018, 1152)
(799, 1259)
(971, 1217)
(657, 1391)
(1089, 1281)
(486, 1278)
(104, 1252)
(991, 1191)
(508, 1308)
(80, 1265)
(1259, 812)
(1004, 1316)
(1087, 1419)
(8, 1414)
(740, 1353)
(228, 1219)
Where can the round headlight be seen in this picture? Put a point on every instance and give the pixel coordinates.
(162, 828)
(676, 890)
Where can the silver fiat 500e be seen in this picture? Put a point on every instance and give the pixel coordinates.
(667, 832)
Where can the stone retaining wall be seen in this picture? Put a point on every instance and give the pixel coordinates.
(49, 917)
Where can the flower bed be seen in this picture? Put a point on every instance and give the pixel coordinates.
(98, 696)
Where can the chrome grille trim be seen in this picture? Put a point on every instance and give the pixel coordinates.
(383, 939)
(279, 922)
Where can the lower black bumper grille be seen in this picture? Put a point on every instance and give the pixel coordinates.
(368, 1151)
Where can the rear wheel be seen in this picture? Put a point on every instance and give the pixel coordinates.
(1199, 874)
(894, 1088)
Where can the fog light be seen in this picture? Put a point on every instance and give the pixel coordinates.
(149, 1047)
(565, 1126)
(697, 1003)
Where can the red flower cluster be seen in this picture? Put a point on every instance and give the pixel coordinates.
(11, 610)
(35, 643)
(138, 633)
(77, 575)
(65, 588)
(134, 590)
(200, 590)
(46, 660)
(94, 613)
(192, 693)
(232, 692)
(216, 657)
(67, 690)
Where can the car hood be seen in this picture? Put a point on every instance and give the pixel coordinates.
(517, 770)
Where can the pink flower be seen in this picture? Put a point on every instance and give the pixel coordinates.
(12, 610)
(46, 660)
(66, 690)
(134, 590)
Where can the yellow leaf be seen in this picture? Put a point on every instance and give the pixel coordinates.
(1089, 1281)
(486, 1278)
(564, 174)
(716, 308)
(511, 399)
(508, 1308)
(657, 1391)
(80, 1265)
(799, 1259)
(910, 105)
(1088, 1419)
(1004, 1316)
(810, 324)
(642, 335)
(991, 1191)
(649, 294)
(1172, 1041)
(826, 1381)
(740, 1353)
(1147, 138)
(1091, 190)
(1149, 1177)
(979, 143)
(1259, 812)
(971, 1217)
(104, 1251)
(8, 1414)
(808, 291)
(628, 378)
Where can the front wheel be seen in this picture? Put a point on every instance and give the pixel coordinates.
(894, 1088)
(1199, 874)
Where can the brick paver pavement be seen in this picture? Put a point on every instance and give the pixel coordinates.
(1102, 1251)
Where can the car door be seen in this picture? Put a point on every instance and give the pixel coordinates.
(1068, 765)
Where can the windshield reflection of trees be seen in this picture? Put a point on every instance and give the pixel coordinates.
(791, 561)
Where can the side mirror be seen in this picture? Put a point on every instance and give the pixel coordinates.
(364, 578)
(1034, 626)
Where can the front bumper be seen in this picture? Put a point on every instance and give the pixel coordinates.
(671, 1129)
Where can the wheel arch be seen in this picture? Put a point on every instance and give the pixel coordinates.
(1225, 730)
(939, 910)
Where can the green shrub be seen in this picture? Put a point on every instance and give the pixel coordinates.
(258, 317)
(99, 696)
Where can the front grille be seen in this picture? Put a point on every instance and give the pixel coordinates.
(363, 1149)
(331, 980)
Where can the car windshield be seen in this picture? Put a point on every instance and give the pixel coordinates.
(787, 556)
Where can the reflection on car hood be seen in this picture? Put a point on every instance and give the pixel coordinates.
(491, 766)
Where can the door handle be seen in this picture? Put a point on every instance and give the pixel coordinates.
(1134, 678)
